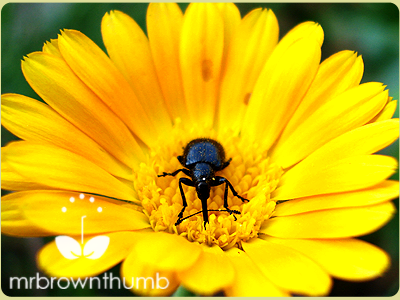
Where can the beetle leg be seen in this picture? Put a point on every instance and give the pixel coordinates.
(226, 200)
(220, 180)
(187, 182)
(175, 173)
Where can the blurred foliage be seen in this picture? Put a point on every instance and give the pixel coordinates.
(371, 29)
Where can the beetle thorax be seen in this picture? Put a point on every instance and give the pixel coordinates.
(203, 172)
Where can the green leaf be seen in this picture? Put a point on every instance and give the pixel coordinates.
(182, 292)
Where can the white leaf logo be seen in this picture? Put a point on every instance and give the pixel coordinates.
(71, 249)
(96, 247)
(68, 247)
(93, 249)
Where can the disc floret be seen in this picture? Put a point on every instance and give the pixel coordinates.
(250, 173)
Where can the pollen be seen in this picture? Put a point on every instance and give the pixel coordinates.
(250, 172)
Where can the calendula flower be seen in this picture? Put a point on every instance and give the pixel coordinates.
(300, 134)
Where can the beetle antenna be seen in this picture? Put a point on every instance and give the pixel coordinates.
(183, 219)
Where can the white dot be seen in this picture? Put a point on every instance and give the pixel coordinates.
(99, 209)
(64, 209)
(72, 199)
(91, 199)
(81, 196)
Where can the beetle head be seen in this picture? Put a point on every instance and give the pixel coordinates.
(203, 190)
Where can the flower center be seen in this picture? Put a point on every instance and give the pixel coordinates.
(250, 173)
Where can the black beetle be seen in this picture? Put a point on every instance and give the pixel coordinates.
(201, 159)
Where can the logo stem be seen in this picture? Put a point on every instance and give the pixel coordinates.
(82, 229)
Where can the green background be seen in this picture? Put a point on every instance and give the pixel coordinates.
(370, 29)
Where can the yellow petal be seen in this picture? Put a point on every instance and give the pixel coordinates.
(376, 194)
(231, 16)
(347, 259)
(61, 212)
(128, 48)
(147, 280)
(52, 48)
(366, 139)
(360, 141)
(164, 23)
(341, 175)
(59, 168)
(211, 273)
(34, 121)
(307, 29)
(249, 280)
(12, 181)
(276, 95)
(387, 112)
(56, 84)
(336, 74)
(14, 222)
(97, 71)
(288, 269)
(347, 111)
(201, 65)
(252, 44)
(331, 223)
(51, 262)
(177, 253)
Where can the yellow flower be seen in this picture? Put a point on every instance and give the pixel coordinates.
(300, 133)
